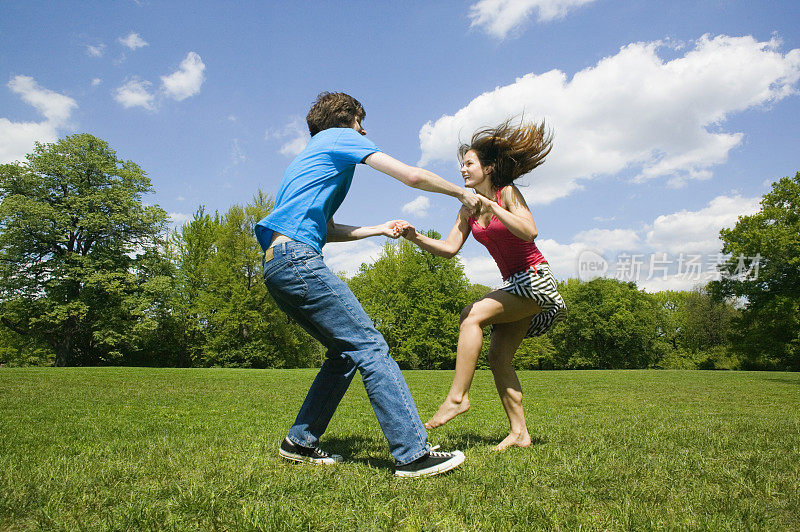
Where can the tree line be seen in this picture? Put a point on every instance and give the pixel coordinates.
(91, 275)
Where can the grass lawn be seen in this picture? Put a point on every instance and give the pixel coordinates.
(186, 449)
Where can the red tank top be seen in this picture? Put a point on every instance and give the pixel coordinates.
(511, 253)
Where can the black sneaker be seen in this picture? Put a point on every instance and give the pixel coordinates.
(298, 453)
(431, 464)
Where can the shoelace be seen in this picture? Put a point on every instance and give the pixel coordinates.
(432, 452)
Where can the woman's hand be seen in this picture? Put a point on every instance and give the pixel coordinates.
(404, 228)
(393, 228)
(407, 230)
(471, 201)
(487, 205)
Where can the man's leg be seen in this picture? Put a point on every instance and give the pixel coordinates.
(323, 398)
(325, 306)
(337, 371)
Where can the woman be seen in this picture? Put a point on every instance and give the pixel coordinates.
(528, 303)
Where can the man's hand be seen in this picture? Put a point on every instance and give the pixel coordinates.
(407, 230)
(392, 228)
(472, 202)
(485, 203)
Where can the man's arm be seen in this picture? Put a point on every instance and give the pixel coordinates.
(422, 179)
(345, 233)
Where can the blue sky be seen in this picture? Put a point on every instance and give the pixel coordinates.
(670, 118)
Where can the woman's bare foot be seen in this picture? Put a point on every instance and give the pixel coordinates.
(447, 411)
(514, 440)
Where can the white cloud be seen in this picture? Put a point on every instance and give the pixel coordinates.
(347, 257)
(609, 238)
(96, 82)
(632, 112)
(418, 206)
(563, 258)
(135, 93)
(18, 138)
(294, 146)
(179, 218)
(663, 283)
(96, 51)
(688, 240)
(297, 134)
(499, 17)
(237, 154)
(698, 231)
(179, 85)
(54, 106)
(133, 41)
(482, 269)
(185, 81)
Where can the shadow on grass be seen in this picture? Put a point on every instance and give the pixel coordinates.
(353, 448)
(469, 440)
(359, 449)
(783, 380)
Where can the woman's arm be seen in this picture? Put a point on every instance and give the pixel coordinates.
(514, 213)
(421, 179)
(345, 233)
(444, 248)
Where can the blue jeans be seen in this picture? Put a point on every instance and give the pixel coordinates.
(324, 305)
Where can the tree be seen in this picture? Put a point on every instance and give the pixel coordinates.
(705, 321)
(230, 318)
(80, 254)
(697, 329)
(764, 271)
(415, 299)
(158, 333)
(192, 246)
(609, 325)
(18, 350)
(536, 353)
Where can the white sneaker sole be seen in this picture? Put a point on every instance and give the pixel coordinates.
(333, 459)
(457, 460)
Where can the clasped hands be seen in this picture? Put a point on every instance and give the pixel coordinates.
(397, 228)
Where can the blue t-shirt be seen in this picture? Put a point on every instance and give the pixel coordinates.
(314, 186)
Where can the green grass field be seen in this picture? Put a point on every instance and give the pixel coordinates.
(178, 449)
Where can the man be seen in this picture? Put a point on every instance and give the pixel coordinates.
(313, 187)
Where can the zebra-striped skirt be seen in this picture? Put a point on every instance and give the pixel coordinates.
(538, 283)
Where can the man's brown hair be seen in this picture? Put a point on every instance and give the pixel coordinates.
(334, 109)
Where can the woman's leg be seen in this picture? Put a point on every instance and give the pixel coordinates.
(506, 338)
(497, 307)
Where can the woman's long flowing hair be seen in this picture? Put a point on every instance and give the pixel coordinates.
(511, 150)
